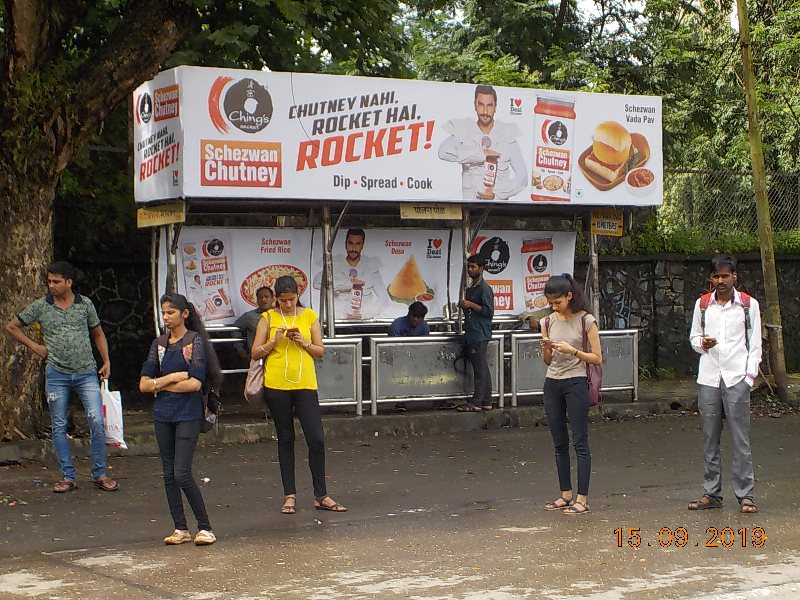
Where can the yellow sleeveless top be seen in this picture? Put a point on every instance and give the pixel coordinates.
(289, 366)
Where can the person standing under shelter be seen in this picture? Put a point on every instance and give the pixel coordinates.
(69, 324)
(248, 322)
(726, 332)
(411, 324)
(478, 307)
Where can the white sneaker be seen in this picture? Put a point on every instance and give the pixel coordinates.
(178, 537)
(204, 538)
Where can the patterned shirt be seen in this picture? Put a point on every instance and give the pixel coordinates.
(65, 331)
(172, 407)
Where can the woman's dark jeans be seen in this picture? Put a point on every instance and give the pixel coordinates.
(568, 399)
(284, 405)
(176, 443)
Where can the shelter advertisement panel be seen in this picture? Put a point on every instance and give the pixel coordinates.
(267, 135)
(378, 273)
(518, 264)
(222, 268)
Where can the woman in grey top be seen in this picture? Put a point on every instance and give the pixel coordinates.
(566, 390)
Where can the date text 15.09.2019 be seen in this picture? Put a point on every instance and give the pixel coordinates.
(679, 537)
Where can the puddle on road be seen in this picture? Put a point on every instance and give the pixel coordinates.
(129, 563)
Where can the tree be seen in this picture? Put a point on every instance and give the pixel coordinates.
(67, 64)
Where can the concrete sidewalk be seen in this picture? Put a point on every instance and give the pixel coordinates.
(241, 423)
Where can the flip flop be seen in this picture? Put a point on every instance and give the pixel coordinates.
(705, 503)
(106, 484)
(64, 486)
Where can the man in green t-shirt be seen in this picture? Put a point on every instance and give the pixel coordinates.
(69, 324)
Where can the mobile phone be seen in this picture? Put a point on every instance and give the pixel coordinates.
(292, 330)
(547, 342)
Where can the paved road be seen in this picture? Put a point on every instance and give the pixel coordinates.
(444, 517)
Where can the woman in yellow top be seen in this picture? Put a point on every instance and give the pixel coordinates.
(290, 338)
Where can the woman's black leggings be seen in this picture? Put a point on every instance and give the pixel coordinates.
(284, 405)
(176, 444)
(569, 399)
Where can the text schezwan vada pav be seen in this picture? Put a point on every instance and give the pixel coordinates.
(611, 150)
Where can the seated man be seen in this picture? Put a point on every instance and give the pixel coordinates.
(249, 320)
(411, 324)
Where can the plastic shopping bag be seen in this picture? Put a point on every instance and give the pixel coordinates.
(112, 415)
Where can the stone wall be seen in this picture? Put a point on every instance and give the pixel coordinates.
(657, 295)
(654, 294)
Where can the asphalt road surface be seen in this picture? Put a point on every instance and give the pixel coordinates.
(441, 517)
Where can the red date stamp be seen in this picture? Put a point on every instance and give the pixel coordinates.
(679, 537)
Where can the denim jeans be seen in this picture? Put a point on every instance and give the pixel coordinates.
(482, 377)
(58, 386)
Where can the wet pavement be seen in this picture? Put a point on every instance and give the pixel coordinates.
(448, 516)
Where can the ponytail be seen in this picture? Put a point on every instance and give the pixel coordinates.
(561, 285)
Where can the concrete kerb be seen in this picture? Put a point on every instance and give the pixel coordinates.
(141, 438)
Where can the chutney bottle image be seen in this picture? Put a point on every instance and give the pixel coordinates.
(489, 166)
(552, 152)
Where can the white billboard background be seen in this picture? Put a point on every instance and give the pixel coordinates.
(258, 134)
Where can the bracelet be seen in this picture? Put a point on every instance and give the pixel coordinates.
(576, 353)
(308, 345)
(155, 385)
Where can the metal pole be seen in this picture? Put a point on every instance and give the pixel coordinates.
(327, 273)
(172, 262)
(154, 240)
(594, 275)
(465, 240)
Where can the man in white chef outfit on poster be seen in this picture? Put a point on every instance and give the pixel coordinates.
(358, 288)
(483, 146)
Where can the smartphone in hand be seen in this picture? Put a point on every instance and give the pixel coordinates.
(292, 330)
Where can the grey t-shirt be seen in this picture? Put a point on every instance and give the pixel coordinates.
(66, 332)
(564, 366)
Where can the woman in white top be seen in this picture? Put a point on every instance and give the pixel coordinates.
(566, 389)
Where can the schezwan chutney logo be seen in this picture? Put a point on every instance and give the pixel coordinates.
(240, 164)
(246, 104)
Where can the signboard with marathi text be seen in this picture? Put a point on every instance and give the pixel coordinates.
(227, 134)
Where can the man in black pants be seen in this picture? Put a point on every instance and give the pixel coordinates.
(478, 307)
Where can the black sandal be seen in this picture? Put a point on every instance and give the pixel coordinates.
(705, 503)
(747, 506)
(335, 507)
(553, 504)
(573, 510)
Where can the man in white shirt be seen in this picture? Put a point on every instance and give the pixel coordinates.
(474, 142)
(726, 332)
(356, 272)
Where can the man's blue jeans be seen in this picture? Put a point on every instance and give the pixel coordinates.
(58, 386)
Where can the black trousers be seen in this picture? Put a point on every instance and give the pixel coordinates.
(176, 444)
(569, 399)
(476, 354)
(284, 405)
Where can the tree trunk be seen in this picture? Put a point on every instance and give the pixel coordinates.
(24, 252)
(48, 112)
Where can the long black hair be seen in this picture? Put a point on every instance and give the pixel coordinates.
(195, 323)
(561, 285)
(287, 284)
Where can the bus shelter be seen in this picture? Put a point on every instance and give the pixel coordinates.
(371, 193)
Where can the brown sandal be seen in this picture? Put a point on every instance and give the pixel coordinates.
(289, 509)
(705, 503)
(106, 484)
(64, 486)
